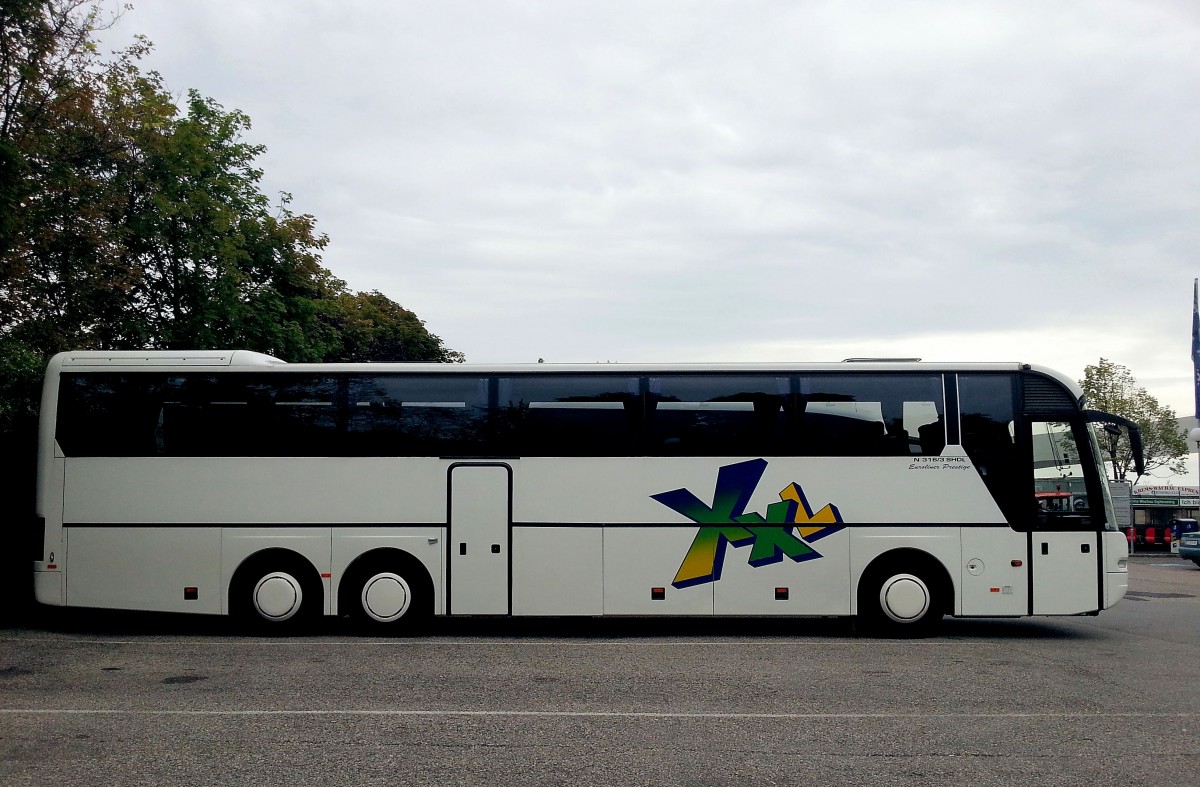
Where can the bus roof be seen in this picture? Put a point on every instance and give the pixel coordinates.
(190, 359)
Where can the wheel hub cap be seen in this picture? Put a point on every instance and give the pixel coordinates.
(278, 596)
(904, 598)
(386, 597)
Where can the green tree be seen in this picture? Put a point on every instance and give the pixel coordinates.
(220, 266)
(372, 327)
(20, 384)
(1112, 388)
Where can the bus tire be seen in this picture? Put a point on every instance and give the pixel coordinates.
(902, 598)
(276, 592)
(387, 592)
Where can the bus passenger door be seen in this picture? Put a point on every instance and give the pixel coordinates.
(479, 539)
(1064, 544)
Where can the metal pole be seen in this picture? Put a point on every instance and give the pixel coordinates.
(1195, 437)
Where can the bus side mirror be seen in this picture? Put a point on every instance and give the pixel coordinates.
(1112, 425)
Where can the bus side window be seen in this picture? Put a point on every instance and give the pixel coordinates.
(305, 418)
(198, 418)
(729, 415)
(106, 414)
(869, 414)
(417, 415)
(1055, 453)
(986, 406)
(569, 415)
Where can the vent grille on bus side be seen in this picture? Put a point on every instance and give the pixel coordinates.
(1045, 397)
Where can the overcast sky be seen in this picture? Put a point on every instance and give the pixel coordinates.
(757, 181)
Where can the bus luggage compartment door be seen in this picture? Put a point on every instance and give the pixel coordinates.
(479, 539)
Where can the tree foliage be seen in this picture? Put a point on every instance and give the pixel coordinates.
(372, 327)
(1112, 388)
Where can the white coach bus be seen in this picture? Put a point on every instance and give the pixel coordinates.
(898, 492)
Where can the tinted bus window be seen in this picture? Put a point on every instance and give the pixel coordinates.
(409, 415)
(719, 415)
(567, 415)
(198, 415)
(109, 414)
(250, 415)
(870, 415)
(988, 436)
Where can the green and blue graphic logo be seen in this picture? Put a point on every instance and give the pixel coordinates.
(725, 523)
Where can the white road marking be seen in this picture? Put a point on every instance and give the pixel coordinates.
(583, 714)
(632, 641)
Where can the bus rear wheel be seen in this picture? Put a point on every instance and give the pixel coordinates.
(386, 597)
(382, 597)
(275, 594)
(278, 597)
(899, 602)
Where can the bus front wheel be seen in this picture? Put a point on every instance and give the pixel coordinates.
(899, 602)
